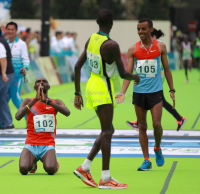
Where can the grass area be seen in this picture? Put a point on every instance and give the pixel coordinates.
(184, 180)
(187, 104)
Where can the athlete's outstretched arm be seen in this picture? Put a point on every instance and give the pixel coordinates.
(60, 107)
(122, 72)
(167, 71)
(23, 110)
(130, 68)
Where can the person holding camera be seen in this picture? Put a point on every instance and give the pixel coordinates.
(20, 62)
(6, 78)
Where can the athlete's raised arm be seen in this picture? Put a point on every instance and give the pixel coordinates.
(60, 107)
(168, 74)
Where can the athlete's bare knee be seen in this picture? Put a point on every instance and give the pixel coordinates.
(50, 169)
(107, 134)
(157, 125)
(142, 126)
(24, 169)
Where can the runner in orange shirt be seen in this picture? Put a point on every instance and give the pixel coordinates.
(41, 133)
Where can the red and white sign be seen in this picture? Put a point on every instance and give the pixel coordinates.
(192, 26)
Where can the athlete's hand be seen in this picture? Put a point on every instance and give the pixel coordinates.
(136, 82)
(5, 78)
(173, 98)
(38, 93)
(78, 101)
(43, 98)
(120, 97)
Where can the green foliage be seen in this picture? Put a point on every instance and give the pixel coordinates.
(26, 9)
(154, 9)
(66, 9)
(78, 9)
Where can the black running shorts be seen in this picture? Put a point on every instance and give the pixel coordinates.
(147, 100)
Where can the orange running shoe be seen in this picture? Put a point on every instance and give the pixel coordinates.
(111, 184)
(85, 176)
(57, 166)
(34, 168)
(181, 123)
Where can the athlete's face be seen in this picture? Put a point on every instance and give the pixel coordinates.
(11, 31)
(144, 31)
(43, 83)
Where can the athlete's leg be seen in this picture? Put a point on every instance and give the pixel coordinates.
(26, 161)
(105, 113)
(156, 112)
(49, 162)
(141, 117)
(97, 145)
(186, 64)
(171, 110)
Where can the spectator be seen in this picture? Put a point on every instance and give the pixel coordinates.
(55, 44)
(20, 62)
(6, 78)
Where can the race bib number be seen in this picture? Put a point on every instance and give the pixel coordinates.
(94, 62)
(186, 54)
(44, 123)
(147, 68)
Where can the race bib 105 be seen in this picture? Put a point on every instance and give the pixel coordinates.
(147, 68)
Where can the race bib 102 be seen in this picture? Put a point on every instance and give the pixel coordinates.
(94, 62)
(44, 123)
(147, 68)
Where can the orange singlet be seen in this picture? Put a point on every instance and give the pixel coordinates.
(43, 138)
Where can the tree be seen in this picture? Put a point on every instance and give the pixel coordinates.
(24, 9)
(66, 9)
(90, 8)
(155, 10)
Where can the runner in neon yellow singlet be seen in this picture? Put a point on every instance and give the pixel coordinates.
(103, 55)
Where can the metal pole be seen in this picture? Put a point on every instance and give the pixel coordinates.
(45, 28)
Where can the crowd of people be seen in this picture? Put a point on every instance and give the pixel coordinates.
(60, 43)
(64, 44)
(186, 50)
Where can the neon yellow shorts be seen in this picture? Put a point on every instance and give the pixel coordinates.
(98, 92)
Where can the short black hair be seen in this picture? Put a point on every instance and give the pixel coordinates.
(105, 17)
(149, 21)
(57, 33)
(28, 30)
(12, 23)
(157, 33)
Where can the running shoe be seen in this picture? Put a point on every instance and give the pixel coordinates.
(133, 124)
(146, 165)
(159, 157)
(85, 176)
(34, 168)
(111, 184)
(181, 123)
(57, 166)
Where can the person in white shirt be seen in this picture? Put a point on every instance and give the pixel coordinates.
(20, 62)
(186, 54)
